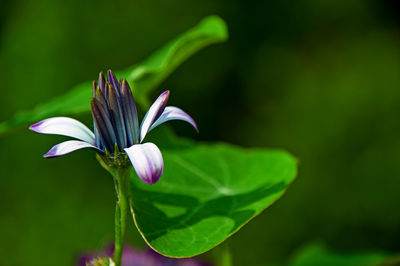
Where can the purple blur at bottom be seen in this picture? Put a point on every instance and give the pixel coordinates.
(132, 257)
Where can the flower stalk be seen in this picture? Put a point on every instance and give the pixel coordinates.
(121, 180)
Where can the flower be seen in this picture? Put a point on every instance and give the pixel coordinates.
(117, 135)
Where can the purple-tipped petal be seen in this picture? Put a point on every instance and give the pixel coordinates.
(155, 111)
(147, 160)
(64, 126)
(67, 147)
(174, 113)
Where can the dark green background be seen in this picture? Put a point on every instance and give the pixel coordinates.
(318, 78)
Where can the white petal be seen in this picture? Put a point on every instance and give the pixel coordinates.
(153, 114)
(67, 147)
(173, 113)
(147, 160)
(64, 126)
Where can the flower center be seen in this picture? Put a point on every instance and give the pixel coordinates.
(116, 160)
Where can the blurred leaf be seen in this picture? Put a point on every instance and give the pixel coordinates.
(74, 101)
(207, 193)
(144, 77)
(317, 254)
(151, 72)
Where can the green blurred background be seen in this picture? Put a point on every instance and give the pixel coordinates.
(318, 78)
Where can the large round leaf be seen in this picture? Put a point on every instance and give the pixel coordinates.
(207, 193)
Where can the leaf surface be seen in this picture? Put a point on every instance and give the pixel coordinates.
(207, 193)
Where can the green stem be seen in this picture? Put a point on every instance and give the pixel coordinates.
(121, 179)
(224, 255)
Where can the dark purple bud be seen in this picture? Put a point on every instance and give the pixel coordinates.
(102, 82)
(131, 118)
(118, 117)
(98, 141)
(103, 124)
(113, 81)
(100, 97)
(94, 88)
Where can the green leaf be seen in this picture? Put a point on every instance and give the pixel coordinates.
(207, 193)
(75, 101)
(317, 254)
(144, 76)
(151, 72)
